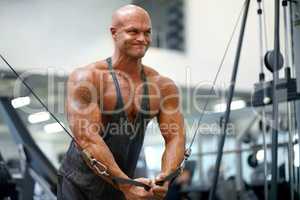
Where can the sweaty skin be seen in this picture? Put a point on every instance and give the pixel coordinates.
(91, 91)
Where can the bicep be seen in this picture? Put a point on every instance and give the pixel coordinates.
(83, 110)
(170, 117)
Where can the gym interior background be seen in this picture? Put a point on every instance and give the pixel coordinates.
(45, 40)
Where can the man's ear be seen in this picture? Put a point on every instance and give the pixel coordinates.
(113, 32)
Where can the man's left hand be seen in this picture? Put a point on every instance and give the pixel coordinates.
(160, 192)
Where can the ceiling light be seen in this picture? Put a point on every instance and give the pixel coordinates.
(20, 102)
(38, 117)
(53, 128)
(238, 104)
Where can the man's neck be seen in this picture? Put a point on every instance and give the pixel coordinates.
(126, 64)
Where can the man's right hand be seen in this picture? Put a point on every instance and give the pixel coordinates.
(133, 192)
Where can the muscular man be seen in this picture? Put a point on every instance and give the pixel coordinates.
(109, 104)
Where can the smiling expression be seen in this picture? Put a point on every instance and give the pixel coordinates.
(131, 32)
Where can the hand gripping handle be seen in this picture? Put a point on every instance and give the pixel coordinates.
(101, 169)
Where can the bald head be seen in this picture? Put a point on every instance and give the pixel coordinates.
(131, 31)
(128, 12)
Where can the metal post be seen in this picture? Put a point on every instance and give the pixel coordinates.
(288, 62)
(230, 96)
(295, 46)
(275, 121)
(262, 50)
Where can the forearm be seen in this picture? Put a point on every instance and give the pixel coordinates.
(173, 154)
(89, 139)
(100, 151)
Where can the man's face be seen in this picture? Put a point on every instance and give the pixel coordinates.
(133, 36)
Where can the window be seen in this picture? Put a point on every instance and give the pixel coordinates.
(167, 22)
